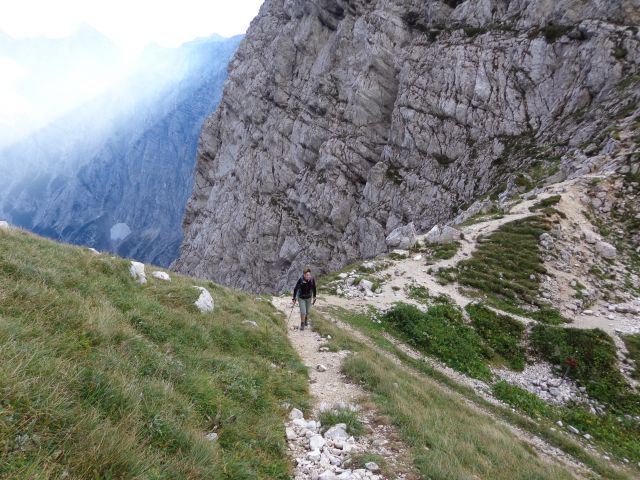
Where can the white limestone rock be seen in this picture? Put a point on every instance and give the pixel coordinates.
(606, 250)
(402, 237)
(443, 234)
(136, 269)
(204, 303)
(295, 413)
(164, 276)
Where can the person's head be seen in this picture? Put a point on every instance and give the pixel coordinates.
(307, 274)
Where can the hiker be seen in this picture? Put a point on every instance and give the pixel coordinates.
(305, 294)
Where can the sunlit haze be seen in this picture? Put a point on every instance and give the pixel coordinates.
(131, 24)
(41, 79)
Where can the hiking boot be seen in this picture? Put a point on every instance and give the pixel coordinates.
(306, 323)
(302, 326)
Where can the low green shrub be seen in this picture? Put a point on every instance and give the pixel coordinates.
(633, 346)
(548, 315)
(502, 333)
(552, 32)
(547, 202)
(620, 435)
(418, 292)
(594, 354)
(521, 398)
(441, 332)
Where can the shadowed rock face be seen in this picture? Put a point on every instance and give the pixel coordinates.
(342, 120)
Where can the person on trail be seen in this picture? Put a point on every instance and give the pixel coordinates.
(305, 294)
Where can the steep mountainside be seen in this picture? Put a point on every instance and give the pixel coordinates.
(343, 120)
(116, 173)
(103, 377)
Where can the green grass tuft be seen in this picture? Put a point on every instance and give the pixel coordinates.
(552, 32)
(329, 418)
(547, 202)
(633, 346)
(418, 293)
(522, 399)
(506, 266)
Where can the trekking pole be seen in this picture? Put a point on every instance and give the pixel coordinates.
(290, 313)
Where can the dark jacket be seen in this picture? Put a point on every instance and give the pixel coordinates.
(304, 289)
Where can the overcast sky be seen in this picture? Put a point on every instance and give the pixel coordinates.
(132, 24)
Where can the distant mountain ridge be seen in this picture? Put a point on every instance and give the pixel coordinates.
(115, 173)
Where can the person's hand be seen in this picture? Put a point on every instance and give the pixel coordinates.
(293, 301)
(314, 301)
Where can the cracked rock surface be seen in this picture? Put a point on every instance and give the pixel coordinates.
(344, 120)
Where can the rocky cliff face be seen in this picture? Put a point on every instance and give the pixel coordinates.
(117, 178)
(343, 120)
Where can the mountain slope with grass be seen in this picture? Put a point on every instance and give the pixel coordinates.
(101, 377)
(529, 311)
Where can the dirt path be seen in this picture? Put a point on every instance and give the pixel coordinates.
(330, 389)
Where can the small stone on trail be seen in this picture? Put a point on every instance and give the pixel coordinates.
(372, 466)
(250, 323)
(573, 429)
(212, 436)
(444, 234)
(337, 432)
(316, 442)
(295, 413)
(321, 368)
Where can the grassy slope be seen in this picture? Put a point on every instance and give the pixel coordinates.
(506, 266)
(619, 437)
(103, 378)
(448, 440)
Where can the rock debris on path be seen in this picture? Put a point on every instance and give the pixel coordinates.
(322, 455)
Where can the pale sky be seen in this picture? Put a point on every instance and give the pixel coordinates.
(132, 24)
